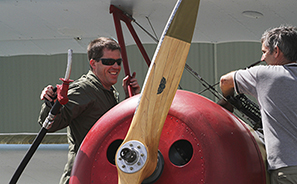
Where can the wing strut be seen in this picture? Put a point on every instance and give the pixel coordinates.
(119, 15)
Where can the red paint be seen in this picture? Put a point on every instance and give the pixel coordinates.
(224, 151)
(62, 91)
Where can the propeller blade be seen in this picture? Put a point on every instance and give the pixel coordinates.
(136, 158)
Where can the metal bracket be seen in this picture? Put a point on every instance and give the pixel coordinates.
(119, 15)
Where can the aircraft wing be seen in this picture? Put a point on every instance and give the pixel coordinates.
(49, 27)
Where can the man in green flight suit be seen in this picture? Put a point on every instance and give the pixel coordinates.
(90, 96)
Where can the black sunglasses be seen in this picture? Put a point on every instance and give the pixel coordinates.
(109, 61)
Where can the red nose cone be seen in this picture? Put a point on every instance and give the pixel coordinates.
(200, 143)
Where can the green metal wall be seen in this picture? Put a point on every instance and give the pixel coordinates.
(23, 77)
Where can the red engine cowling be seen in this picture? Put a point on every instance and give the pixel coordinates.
(201, 143)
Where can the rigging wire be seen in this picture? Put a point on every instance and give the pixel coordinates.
(249, 109)
(187, 67)
(152, 27)
(211, 87)
(149, 34)
(204, 83)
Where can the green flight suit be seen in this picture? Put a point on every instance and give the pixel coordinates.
(88, 101)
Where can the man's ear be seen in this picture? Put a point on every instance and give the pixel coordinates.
(92, 63)
(276, 52)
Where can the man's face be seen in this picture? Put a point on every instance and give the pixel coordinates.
(267, 56)
(107, 74)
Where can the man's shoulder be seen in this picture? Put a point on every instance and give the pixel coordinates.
(84, 79)
(80, 82)
(86, 83)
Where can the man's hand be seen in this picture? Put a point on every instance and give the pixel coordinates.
(48, 93)
(132, 81)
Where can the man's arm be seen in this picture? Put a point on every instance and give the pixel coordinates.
(227, 84)
(77, 103)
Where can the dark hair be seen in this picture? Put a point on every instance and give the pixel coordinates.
(283, 37)
(95, 47)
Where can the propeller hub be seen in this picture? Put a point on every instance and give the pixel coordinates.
(131, 156)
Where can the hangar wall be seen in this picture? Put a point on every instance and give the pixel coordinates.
(23, 77)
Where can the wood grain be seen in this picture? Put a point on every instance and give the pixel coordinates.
(160, 87)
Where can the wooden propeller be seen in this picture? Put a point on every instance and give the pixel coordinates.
(136, 158)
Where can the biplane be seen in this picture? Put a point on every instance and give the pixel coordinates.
(167, 135)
